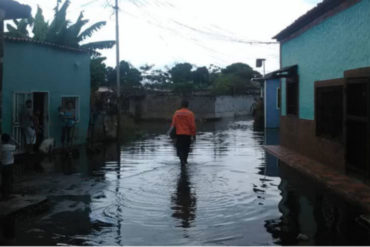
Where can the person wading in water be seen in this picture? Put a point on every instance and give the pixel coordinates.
(183, 122)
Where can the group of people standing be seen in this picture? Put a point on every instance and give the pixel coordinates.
(32, 125)
(32, 135)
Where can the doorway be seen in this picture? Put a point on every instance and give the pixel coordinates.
(40, 109)
(41, 113)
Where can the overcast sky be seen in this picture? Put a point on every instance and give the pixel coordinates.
(202, 32)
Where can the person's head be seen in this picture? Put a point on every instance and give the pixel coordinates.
(184, 103)
(29, 103)
(5, 138)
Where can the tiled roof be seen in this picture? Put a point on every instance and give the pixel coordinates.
(43, 43)
(15, 10)
(311, 16)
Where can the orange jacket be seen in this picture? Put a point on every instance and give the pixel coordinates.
(184, 122)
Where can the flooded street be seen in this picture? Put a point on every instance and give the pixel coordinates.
(230, 193)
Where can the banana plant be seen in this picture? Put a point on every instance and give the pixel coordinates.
(19, 29)
(60, 30)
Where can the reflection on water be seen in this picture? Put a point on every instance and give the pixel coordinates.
(321, 217)
(184, 200)
(231, 193)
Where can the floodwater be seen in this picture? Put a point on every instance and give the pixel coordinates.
(230, 193)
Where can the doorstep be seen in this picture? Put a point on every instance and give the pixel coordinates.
(349, 188)
(20, 203)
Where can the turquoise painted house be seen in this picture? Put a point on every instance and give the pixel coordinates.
(49, 75)
(325, 107)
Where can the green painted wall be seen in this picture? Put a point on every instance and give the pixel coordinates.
(340, 43)
(30, 67)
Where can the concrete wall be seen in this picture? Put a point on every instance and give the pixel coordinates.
(31, 67)
(325, 51)
(230, 106)
(156, 107)
(272, 112)
(162, 107)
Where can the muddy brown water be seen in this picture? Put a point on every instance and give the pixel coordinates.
(230, 193)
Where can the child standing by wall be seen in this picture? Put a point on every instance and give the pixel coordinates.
(7, 162)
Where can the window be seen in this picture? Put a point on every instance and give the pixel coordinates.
(278, 98)
(75, 101)
(292, 95)
(329, 112)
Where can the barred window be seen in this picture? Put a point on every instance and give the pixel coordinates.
(329, 112)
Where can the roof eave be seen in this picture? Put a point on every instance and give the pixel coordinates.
(315, 15)
(282, 73)
(48, 44)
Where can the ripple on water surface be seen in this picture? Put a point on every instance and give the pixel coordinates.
(230, 193)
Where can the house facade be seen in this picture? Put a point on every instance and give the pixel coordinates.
(50, 76)
(9, 9)
(325, 110)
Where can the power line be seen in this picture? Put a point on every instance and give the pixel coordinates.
(140, 4)
(208, 33)
(88, 3)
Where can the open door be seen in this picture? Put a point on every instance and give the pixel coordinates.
(41, 111)
(19, 102)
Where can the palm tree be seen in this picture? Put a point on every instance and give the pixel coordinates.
(60, 31)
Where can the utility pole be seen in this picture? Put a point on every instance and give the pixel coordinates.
(118, 73)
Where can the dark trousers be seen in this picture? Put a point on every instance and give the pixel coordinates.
(183, 147)
(7, 180)
(67, 135)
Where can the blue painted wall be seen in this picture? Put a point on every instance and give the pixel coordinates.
(272, 114)
(325, 51)
(30, 67)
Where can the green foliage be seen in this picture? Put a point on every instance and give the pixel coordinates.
(97, 72)
(228, 84)
(129, 75)
(181, 79)
(234, 79)
(60, 30)
(99, 45)
(88, 32)
(201, 77)
(181, 73)
(19, 29)
(40, 26)
(158, 77)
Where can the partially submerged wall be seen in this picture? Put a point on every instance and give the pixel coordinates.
(162, 107)
(230, 106)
